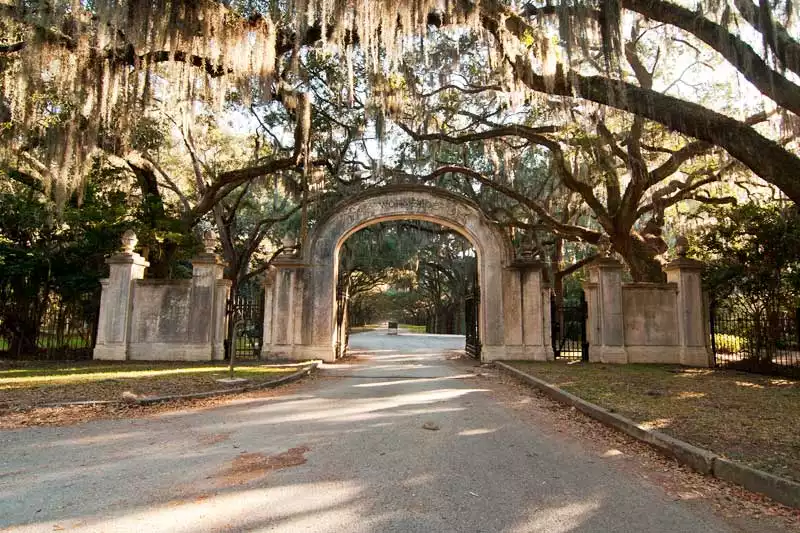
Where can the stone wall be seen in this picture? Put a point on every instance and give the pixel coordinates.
(650, 322)
(647, 322)
(162, 320)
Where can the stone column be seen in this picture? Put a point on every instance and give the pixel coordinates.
(604, 299)
(685, 273)
(286, 314)
(535, 313)
(269, 297)
(113, 327)
(209, 294)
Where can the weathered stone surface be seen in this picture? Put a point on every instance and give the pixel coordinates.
(301, 314)
(162, 320)
(113, 328)
(647, 322)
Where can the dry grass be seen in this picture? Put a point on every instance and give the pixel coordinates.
(27, 384)
(746, 417)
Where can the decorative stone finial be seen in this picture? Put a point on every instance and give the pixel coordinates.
(681, 246)
(209, 241)
(288, 244)
(604, 246)
(129, 240)
(526, 250)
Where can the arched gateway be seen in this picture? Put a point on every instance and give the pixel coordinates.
(299, 318)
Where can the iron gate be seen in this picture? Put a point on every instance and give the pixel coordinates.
(568, 329)
(472, 306)
(246, 322)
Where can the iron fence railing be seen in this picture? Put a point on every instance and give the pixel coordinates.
(763, 341)
(62, 330)
(472, 305)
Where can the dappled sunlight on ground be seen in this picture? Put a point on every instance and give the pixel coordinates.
(405, 442)
(658, 423)
(559, 518)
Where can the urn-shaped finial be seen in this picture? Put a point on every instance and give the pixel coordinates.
(209, 241)
(681, 246)
(129, 240)
(604, 247)
(526, 249)
(288, 244)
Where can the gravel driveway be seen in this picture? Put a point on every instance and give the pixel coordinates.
(401, 438)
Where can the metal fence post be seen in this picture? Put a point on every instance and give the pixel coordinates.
(712, 309)
(584, 336)
(797, 325)
(554, 325)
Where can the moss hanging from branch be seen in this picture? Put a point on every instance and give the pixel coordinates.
(80, 73)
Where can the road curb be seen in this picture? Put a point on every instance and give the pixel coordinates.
(704, 461)
(150, 400)
(294, 376)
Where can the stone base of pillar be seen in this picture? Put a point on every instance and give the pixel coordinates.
(608, 354)
(696, 356)
(170, 352)
(516, 353)
(666, 355)
(218, 351)
(110, 352)
(299, 353)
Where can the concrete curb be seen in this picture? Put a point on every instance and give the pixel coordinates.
(704, 461)
(150, 400)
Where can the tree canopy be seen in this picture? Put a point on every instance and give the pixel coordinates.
(578, 124)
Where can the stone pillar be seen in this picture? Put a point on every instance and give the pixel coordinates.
(269, 297)
(535, 313)
(604, 299)
(685, 273)
(209, 295)
(525, 300)
(284, 319)
(113, 327)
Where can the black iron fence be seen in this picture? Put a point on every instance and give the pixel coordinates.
(472, 305)
(755, 340)
(246, 322)
(568, 329)
(59, 330)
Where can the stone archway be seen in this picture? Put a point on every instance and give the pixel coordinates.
(299, 321)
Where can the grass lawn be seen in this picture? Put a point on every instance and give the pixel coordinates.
(362, 329)
(26, 384)
(412, 328)
(750, 418)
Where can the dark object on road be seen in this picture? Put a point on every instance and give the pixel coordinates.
(392, 328)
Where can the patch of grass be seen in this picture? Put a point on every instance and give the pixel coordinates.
(746, 417)
(362, 329)
(25, 384)
(412, 328)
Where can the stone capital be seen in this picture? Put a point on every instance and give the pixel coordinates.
(288, 261)
(606, 263)
(125, 258)
(684, 263)
(526, 263)
(207, 259)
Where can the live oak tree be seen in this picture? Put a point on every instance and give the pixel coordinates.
(98, 65)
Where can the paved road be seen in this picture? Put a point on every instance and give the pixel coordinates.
(370, 466)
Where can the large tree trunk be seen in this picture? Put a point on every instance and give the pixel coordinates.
(639, 257)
